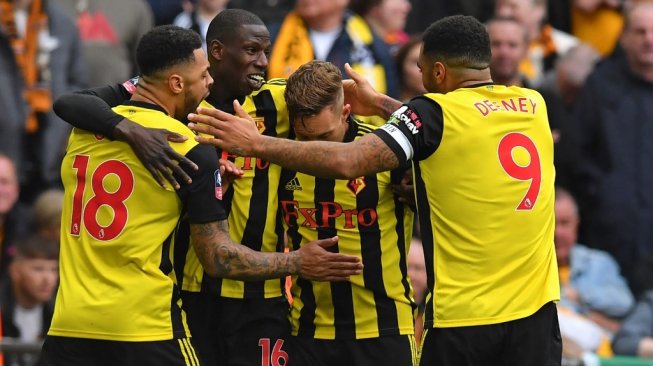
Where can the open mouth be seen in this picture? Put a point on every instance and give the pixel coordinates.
(256, 79)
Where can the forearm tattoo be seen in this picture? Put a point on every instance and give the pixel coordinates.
(224, 258)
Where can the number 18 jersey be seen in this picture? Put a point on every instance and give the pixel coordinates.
(484, 182)
(117, 235)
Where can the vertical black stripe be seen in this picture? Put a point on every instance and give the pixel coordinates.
(258, 209)
(341, 293)
(401, 210)
(165, 265)
(182, 242)
(371, 252)
(307, 313)
(424, 214)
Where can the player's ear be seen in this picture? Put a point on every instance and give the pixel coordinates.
(439, 72)
(176, 83)
(346, 110)
(216, 48)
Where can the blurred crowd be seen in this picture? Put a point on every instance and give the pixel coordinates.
(592, 61)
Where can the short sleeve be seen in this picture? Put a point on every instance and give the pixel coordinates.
(414, 131)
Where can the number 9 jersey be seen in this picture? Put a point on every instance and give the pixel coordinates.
(484, 183)
(117, 235)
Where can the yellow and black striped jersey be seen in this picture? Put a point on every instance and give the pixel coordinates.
(251, 201)
(369, 222)
(484, 183)
(118, 229)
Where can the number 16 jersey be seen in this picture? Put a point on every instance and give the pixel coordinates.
(484, 183)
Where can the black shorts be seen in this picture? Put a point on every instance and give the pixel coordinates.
(533, 341)
(65, 351)
(201, 317)
(241, 332)
(399, 350)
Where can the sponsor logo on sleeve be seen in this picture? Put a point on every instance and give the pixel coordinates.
(218, 184)
(408, 117)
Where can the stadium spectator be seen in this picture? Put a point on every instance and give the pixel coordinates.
(369, 319)
(47, 213)
(546, 43)
(387, 18)
(594, 295)
(110, 31)
(509, 45)
(15, 217)
(610, 146)
(325, 30)
(595, 22)
(591, 280)
(201, 15)
(635, 337)
(27, 295)
(497, 279)
(410, 76)
(47, 52)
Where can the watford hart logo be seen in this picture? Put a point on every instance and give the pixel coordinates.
(260, 123)
(356, 185)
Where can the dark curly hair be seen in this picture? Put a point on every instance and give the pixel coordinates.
(458, 41)
(166, 46)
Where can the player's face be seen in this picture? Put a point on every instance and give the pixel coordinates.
(637, 39)
(566, 229)
(245, 59)
(36, 279)
(508, 44)
(197, 82)
(8, 186)
(328, 125)
(426, 65)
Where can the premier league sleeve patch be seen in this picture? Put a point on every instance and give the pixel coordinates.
(218, 184)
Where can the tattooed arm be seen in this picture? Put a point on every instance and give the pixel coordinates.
(237, 134)
(221, 257)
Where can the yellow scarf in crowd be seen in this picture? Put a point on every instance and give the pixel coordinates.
(293, 48)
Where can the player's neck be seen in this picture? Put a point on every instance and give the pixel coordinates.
(220, 96)
(147, 97)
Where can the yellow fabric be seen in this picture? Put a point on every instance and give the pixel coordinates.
(112, 285)
(248, 208)
(485, 215)
(600, 29)
(291, 49)
(377, 301)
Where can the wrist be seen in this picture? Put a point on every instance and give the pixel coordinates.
(296, 262)
(385, 105)
(122, 130)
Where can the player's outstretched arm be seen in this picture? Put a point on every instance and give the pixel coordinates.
(90, 110)
(221, 257)
(239, 135)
